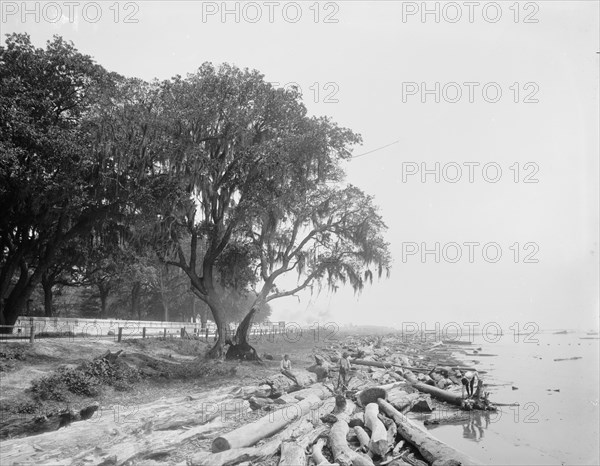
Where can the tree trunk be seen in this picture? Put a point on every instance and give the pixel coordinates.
(218, 350)
(16, 301)
(104, 290)
(165, 308)
(47, 286)
(136, 309)
(239, 348)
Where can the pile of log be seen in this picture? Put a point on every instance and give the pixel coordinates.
(314, 427)
(364, 425)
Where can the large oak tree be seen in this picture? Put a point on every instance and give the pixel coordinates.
(260, 194)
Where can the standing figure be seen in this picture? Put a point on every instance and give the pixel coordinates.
(344, 370)
(469, 380)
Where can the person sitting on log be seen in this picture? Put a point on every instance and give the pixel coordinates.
(286, 369)
(468, 381)
(344, 370)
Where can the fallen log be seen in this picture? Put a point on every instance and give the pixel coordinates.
(260, 403)
(343, 408)
(363, 438)
(401, 400)
(386, 365)
(292, 454)
(317, 453)
(266, 426)
(433, 450)
(379, 441)
(257, 453)
(48, 423)
(342, 453)
(452, 418)
(442, 395)
(382, 365)
(316, 389)
(307, 439)
(280, 384)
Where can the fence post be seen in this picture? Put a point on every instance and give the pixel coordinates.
(143, 332)
(182, 332)
(165, 334)
(120, 336)
(32, 333)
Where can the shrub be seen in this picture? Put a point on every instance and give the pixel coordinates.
(85, 380)
(50, 387)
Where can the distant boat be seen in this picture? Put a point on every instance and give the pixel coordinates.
(455, 342)
(562, 332)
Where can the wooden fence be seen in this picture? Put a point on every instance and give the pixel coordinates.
(33, 328)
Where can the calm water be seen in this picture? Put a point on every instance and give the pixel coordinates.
(549, 427)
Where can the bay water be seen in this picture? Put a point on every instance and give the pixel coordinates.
(557, 420)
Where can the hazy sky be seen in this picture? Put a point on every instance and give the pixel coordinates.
(366, 64)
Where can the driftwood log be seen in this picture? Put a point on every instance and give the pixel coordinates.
(316, 389)
(247, 435)
(402, 400)
(433, 450)
(342, 453)
(257, 453)
(280, 384)
(292, 454)
(317, 453)
(363, 438)
(378, 444)
(438, 393)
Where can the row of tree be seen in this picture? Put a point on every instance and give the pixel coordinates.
(217, 177)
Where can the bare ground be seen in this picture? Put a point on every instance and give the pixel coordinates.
(175, 372)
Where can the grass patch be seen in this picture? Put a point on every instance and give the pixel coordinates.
(10, 356)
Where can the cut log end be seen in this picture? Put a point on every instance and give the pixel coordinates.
(220, 444)
(371, 395)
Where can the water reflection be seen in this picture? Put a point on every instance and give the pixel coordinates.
(473, 423)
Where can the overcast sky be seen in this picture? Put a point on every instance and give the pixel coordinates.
(529, 108)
